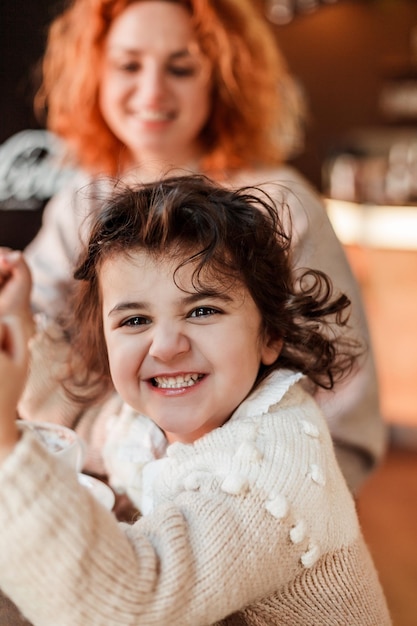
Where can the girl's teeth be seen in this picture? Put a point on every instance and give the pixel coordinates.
(176, 382)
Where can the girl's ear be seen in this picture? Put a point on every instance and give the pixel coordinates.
(270, 350)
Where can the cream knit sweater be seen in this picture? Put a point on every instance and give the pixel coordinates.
(253, 521)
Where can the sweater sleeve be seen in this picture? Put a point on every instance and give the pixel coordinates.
(214, 544)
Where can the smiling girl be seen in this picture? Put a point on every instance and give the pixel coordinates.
(188, 305)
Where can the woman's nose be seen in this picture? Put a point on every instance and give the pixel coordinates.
(152, 85)
(168, 343)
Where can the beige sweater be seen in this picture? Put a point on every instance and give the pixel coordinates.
(253, 521)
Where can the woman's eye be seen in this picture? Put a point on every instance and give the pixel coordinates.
(137, 320)
(181, 71)
(130, 67)
(204, 311)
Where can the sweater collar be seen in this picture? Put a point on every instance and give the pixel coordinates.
(270, 391)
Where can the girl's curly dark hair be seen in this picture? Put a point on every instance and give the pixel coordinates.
(230, 236)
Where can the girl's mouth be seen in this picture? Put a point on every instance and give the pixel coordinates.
(176, 382)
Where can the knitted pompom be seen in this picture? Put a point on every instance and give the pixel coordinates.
(249, 452)
(317, 475)
(298, 532)
(277, 506)
(235, 484)
(310, 429)
(311, 556)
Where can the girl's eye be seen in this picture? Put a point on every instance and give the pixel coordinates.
(137, 320)
(204, 311)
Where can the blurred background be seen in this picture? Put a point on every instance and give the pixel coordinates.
(356, 61)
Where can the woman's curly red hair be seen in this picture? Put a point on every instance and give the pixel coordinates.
(256, 108)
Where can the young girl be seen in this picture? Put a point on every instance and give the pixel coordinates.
(187, 304)
(138, 89)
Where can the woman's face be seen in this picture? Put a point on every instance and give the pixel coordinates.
(155, 87)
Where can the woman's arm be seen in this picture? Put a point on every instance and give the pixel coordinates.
(16, 328)
(13, 368)
(352, 408)
(53, 252)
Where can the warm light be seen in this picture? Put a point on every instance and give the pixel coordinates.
(280, 12)
(376, 226)
(283, 11)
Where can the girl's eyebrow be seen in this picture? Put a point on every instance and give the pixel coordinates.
(188, 299)
(127, 306)
(191, 298)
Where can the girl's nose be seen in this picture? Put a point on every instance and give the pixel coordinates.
(168, 343)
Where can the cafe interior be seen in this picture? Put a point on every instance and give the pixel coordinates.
(356, 62)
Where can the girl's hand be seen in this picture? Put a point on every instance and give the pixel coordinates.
(13, 370)
(15, 286)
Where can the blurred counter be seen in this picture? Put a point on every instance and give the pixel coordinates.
(381, 243)
(391, 227)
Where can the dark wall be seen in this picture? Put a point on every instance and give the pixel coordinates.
(23, 34)
(23, 26)
(342, 54)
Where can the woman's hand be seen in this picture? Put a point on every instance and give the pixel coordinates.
(16, 328)
(13, 370)
(15, 287)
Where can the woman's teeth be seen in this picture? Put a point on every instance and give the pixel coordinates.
(176, 382)
(154, 116)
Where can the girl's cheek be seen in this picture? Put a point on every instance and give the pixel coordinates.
(124, 358)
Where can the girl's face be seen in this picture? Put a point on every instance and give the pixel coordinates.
(155, 86)
(184, 359)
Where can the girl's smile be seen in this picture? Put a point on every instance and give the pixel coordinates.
(176, 382)
(183, 358)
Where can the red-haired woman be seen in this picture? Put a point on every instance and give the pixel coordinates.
(153, 87)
